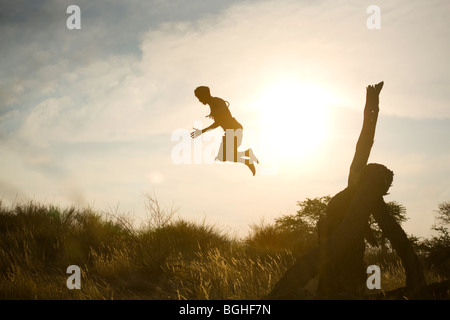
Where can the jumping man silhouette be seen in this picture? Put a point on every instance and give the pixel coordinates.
(232, 138)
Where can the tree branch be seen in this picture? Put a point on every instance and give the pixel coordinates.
(366, 137)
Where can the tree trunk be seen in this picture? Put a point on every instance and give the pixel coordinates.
(339, 260)
(367, 135)
(341, 263)
(416, 285)
(342, 259)
(292, 283)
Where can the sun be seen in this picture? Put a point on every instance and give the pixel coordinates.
(293, 117)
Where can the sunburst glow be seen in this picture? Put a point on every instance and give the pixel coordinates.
(293, 117)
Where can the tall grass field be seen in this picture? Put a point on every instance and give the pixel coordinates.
(166, 258)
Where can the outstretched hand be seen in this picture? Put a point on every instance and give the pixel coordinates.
(196, 133)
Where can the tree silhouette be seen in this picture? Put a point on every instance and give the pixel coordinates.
(438, 247)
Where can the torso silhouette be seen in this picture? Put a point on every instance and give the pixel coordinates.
(222, 115)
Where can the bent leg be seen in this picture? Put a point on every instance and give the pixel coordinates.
(228, 150)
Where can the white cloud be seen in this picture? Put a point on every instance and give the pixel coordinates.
(237, 52)
(63, 89)
(249, 44)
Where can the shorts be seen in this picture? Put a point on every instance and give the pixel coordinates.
(231, 140)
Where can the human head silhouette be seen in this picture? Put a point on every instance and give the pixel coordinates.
(203, 94)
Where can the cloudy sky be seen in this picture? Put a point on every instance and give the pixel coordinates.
(100, 116)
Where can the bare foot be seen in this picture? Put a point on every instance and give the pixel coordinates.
(252, 168)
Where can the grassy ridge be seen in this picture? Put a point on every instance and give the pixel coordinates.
(173, 260)
(165, 259)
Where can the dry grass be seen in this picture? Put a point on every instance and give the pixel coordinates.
(229, 274)
(164, 259)
(172, 259)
